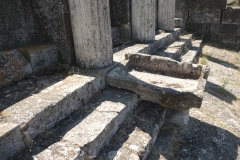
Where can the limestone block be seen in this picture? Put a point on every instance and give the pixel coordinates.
(41, 57)
(11, 141)
(13, 67)
(166, 15)
(91, 28)
(231, 16)
(205, 16)
(143, 20)
(206, 4)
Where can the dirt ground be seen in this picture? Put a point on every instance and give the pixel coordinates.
(213, 132)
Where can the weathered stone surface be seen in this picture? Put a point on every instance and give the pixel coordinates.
(91, 33)
(206, 4)
(180, 118)
(13, 67)
(231, 16)
(11, 141)
(175, 50)
(87, 135)
(230, 1)
(225, 29)
(41, 57)
(166, 15)
(204, 16)
(160, 40)
(45, 109)
(177, 23)
(171, 92)
(137, 135)
(143, 20)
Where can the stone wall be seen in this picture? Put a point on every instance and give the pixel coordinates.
(120, 12)
(211, 19)
(25, 22)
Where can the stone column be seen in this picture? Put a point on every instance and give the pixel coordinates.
(91, 27)
(143, 20)
(166, 15)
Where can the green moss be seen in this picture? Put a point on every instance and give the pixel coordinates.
(26, 54)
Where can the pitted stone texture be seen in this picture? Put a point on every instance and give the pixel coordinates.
(205, 16)
(41, 57)
(171, 92)
(91, 28)
(178, 23)
(166, 15)
(45, 109)
(87, 136)
(206, 4)
(143, 20)
(231, 16)
(13, 67)
(11, 141)
(137, 135)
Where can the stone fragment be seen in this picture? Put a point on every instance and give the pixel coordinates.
(166, 15)
(41, 57)
(11, 141)
(88, 134)
(91, 28)
(143, 20)
(13, 67)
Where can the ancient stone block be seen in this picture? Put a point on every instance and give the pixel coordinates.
(13, 67)
(143, 20)
(166, 15)
(91, 33)
(179, 118)
(231, 16)
(224, 29)
(41, 57)
(206, 4)
(11, 141)
(205, 16)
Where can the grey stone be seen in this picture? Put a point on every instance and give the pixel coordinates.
(230, 1)
(206, 4)
(51, 105)
(180, 118)
(138, 133)
(92, 33)
(85, 139)
(170, 92)
(41, 57)
(13, 67)
(177, 23)
(231, 16)
(166, 15)
(11, 141)
(143, 20)
(204, 16)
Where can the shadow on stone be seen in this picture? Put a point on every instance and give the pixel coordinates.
(220, 92)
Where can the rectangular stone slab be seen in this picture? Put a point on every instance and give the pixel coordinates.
(170, 92)
(86, 135)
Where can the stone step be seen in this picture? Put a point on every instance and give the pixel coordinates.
(175, 50)
(83, 134)
(20, 63)
(10, 140)
(177, 22)
(161, 39)
(37, 105)
(135, 138)
(160, 80)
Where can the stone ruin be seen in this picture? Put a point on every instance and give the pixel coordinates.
(135, 72)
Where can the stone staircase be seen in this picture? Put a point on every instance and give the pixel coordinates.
(79, 117)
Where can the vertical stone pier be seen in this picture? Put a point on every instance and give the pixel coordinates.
(91, 27)
(166, 15)
(143, 20)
